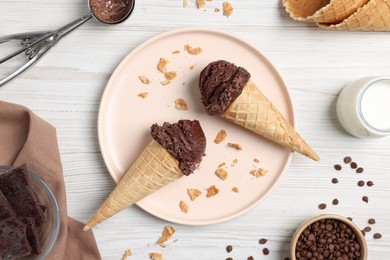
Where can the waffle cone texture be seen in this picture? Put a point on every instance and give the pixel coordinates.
(354, 15)
(154, 169)
(252, 110)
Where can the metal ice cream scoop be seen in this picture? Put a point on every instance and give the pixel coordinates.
(36, 44)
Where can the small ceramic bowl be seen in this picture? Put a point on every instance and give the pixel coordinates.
(48, 232)
(360, 238)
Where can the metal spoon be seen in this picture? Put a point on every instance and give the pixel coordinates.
(36, 44)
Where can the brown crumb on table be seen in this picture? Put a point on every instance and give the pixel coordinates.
(156, 256)
(162, 65)
(227, 9)
(235, 189)
(192, 50)
(258, 172)
(212, 191)
(217, 10)
(170, 75)
(192, 67)
(127, 253)
(220, 136)
(143, 94)
(194, 193)
(144, 79)
(235, 161)
(221, 173)
(181, 104)
(200, 3)
(234, 145)
(256, 160)
(183, 206)
(167, 234)
(176, 52)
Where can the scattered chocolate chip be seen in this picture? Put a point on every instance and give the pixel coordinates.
(370, 183)
(335, 202)
(347, 159)
(250, 258)
(322, 206)
(363, 232)
(266, 251)
(360, 183)
(335, 180)
(354, 165)
(371, 221)
(365, 199)
(367, 229)
(229, 248)
(359, 170)
(377, 235)
(263, 241)
(337, 167)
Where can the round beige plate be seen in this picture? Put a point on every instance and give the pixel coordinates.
(125, 120)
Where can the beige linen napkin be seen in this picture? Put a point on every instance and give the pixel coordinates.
(26, 138)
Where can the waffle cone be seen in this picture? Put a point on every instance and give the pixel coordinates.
(336, 11)
(255, 112)
(153, 169)
(300, 10)
(374, 16)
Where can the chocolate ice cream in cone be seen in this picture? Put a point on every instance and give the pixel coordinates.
(176, 150)
(227, 91)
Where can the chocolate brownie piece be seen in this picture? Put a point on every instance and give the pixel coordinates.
(16, 187)
(6, 210)
(13, 239)
(32, 235)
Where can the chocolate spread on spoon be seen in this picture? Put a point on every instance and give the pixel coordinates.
(110, 11)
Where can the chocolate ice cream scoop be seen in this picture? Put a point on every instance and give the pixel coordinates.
(184, 140)
(220, 83)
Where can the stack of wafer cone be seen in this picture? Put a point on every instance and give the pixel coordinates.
(361, 15)
(154, 169)
(252, 110)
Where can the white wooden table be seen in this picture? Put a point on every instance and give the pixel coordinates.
(65, 89)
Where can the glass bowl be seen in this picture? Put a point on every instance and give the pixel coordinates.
(48, 231)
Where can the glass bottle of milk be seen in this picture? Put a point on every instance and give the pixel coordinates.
(363, 107)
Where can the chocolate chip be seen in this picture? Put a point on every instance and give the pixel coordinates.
(335, 202)
(229, 248)
(365, 199)
(354, 165)
(322, 206)
(377, 235)
(229, 258)
(335, 180)
(370, 183)
(347, 159)
(266, 251)
(250, 258)
(360, 183)
(371, 221)
(363, 232)
(359, 170)
(337, 167)
(367, 229)
(263, 241)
